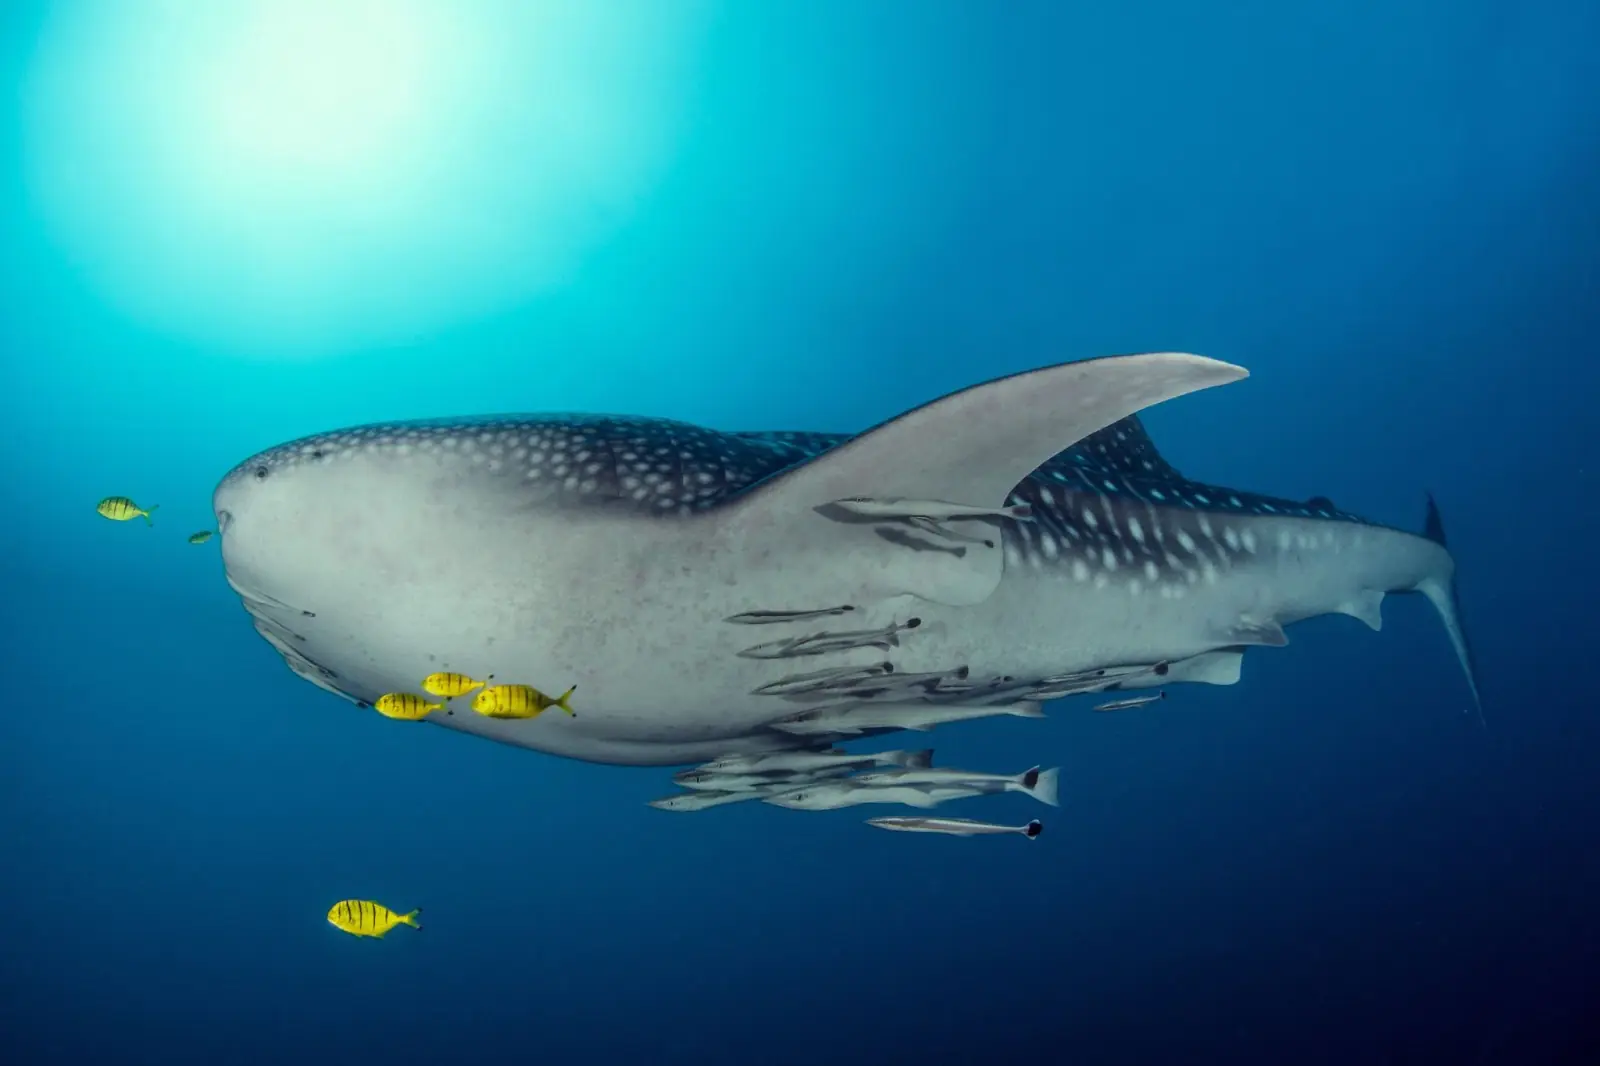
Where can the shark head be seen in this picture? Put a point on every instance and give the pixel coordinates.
(274, 512)
(300, 520)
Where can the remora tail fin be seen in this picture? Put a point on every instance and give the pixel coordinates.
(1044, 785)
(914, 760)
(1441, 592)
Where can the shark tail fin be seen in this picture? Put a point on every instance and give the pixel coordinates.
(1441, 592)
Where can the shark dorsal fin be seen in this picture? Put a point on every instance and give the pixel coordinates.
(974, 446)
(1124, 447)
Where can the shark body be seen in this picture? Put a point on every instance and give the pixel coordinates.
(1014, 542)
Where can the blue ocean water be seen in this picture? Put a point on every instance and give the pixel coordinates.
(801, 216)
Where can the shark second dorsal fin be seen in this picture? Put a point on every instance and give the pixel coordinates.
(1124, 447)
(974, 446)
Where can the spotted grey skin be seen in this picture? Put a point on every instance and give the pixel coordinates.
(698, 586)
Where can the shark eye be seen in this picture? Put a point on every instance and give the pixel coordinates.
(261, 473)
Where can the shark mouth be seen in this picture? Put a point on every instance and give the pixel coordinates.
(267, 614)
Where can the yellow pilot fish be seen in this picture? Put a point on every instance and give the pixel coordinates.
(517, 701)
(200, 537)
(120, 509)
(406, 706)
(451, 685)
(362, 917)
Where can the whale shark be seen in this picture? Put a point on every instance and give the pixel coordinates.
(1017, 541)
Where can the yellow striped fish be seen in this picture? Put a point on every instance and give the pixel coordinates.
(200, 537)
(120, 509)
(451, 685)
(406, 706)
(362, 917)
(518, 701)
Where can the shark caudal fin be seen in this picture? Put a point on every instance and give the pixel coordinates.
(1441, 592)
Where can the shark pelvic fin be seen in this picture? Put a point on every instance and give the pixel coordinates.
(1366, 605)
(1220, 667)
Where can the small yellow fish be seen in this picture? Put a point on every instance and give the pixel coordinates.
(451, 685)
(362, 917)
(200, 537)
(518, 701)
(120, 509)
(407, 706)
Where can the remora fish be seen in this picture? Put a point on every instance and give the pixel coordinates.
(955, 827)
(918, 716)
(701, 801)
(713, 781)
(639, 557)
(814, 761)
(1131, 702)
(1040, 784)
(830, 796)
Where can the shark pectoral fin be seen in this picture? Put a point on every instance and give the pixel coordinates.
(975, 446)
(852, 562)
(1367, 605)
(1258, 631)
(913, 507)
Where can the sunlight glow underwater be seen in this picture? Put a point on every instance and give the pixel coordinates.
(292, 178)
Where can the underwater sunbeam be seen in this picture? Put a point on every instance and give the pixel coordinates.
(290, 178)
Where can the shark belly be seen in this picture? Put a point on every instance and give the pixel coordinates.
(641, 615)
(645, 633)
(636, 623)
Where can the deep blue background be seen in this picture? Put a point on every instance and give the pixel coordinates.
(1389, 212)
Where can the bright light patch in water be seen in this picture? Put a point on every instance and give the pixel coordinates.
(298, 177)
